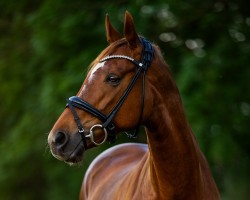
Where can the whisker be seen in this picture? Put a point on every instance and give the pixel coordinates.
(47, 147)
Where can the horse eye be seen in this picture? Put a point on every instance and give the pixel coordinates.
(113, 79)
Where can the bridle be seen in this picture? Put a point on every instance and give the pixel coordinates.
(107, 124)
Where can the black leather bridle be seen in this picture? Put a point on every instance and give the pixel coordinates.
(108, 126)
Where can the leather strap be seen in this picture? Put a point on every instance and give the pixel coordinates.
(80, 103)
(78, 122)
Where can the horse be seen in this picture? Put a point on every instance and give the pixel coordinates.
(129, 84)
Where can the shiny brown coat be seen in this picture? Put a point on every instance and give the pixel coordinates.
(170, 167)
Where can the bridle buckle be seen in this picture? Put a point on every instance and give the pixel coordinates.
(81, 130)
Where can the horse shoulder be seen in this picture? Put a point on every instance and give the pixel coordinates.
(109, 168)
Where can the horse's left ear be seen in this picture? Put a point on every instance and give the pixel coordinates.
(112, 34)
(129, 31)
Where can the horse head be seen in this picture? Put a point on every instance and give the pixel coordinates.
(111, 98)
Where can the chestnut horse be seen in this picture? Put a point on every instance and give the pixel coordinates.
(128, 85)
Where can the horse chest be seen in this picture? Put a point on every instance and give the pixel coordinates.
(124, 186)
(118, 174)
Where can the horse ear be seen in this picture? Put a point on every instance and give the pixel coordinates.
(129, 31)
(112, 34)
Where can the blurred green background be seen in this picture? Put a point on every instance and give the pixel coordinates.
(46, 47)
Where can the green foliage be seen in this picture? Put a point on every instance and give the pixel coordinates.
(46, 47)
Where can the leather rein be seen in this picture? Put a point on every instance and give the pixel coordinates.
(107, 124)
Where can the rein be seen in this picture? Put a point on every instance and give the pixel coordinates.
(108, 126)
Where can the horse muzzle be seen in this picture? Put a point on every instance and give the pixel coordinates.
(66, 147)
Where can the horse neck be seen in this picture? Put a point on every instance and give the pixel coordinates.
(174, 153)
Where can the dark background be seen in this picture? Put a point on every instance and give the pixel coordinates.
(46, 47)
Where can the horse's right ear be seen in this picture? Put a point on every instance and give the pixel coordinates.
(111, 33)
(129, 31)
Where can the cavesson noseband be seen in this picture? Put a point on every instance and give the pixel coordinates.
(108, 126)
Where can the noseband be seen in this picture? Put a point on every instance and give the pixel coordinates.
(108, 126)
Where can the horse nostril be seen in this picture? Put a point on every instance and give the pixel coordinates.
(60, 139)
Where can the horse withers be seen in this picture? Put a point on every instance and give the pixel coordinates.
(129, 84)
